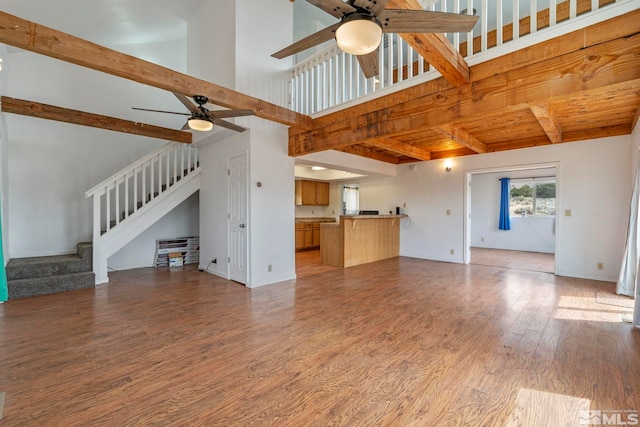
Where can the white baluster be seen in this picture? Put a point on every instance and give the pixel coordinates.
(126, 195)
(108, 208)
(135, 189)
(516, 20)
(533, 16)
(117, 200)
(499, 23)
(390, 58)
(483, 25)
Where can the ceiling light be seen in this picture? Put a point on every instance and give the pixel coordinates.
(359, 34)
(317, 168)
(200, 125)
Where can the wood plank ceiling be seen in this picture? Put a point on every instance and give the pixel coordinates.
(582, 85)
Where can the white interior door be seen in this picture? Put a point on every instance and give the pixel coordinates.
(238, 212)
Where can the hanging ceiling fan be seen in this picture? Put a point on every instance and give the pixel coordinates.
(362, 23)
(203, 119)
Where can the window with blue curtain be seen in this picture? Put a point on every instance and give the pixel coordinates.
(505, 220)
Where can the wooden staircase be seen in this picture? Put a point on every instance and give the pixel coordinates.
(28, 277)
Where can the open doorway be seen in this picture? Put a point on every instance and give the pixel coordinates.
(530, 196)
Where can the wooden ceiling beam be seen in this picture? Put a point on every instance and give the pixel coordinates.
(548, 121)
(361, 151)
(436, 49)
(50, 112)
(612, 67)
(46, 41)
(463, 137)
(401, 148)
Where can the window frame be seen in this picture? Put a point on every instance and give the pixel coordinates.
(533, 183)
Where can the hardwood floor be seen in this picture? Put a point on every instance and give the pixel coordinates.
(309, 263)
(520, 260)
(396, 342)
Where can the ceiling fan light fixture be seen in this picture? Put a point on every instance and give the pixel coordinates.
(359, 34)
(200, 125)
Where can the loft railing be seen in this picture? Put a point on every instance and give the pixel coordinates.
(138, 185)
(330, 77)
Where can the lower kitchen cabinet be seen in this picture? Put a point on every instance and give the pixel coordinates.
(307, 235)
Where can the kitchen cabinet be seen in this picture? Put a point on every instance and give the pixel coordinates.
(315, 238)
(300, 234)
(312, 193)
(307, 235)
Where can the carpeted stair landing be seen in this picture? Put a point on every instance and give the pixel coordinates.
(28, 277)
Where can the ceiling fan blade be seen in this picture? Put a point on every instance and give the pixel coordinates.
(308, 42)
(187, 103)
(374, 6)
(336, 8)
(369, 64)
(186, 126)
(222, 114)
(228, 125)
(421, 21)
(160, 111)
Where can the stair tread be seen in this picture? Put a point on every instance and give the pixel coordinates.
(14, 262)
(54, 265)
(51, 278)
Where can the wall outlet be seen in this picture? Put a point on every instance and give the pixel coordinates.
(482, 239)
(214, 261)
(269, 268)
(567, 212)
(448, 211)
(452, 252)
(600, 266)
(404, 205)
(312, 212)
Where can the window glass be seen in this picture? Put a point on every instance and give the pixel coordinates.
(351, 199)
(535, 197)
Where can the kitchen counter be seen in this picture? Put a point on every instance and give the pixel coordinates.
(315, 219)
(359, 239)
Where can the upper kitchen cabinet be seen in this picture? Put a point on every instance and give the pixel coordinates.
(312, 193)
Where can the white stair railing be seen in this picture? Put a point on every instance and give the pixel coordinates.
(330, 77)
(122, 195)
(130, 201)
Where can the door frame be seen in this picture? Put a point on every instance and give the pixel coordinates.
(466, 218)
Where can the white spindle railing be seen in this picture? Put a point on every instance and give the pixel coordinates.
(126, 192)
(330, 77)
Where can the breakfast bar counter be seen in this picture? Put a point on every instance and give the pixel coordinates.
(360, 239)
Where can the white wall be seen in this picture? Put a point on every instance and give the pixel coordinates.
(271, 206)
(595, 232)
(52, 164)
(530, 233)
(260, 75)
(211, 50)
